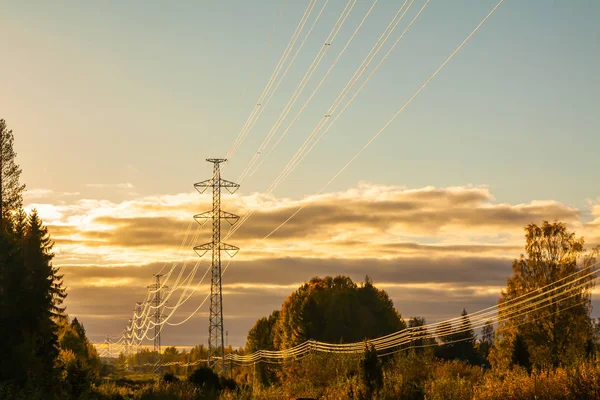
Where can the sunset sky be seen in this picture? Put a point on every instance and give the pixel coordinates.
(116, 105)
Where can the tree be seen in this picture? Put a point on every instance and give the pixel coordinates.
(487, 340)
(465, 340)
(520, 353)
(458, 342)
(260, 337)
(11, 190)
(371, 371)
(335, 310)
(45, 280)
(31, 293)
(556, 331)
(418, 345)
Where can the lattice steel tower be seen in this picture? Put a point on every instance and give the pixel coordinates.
(157, 311)
(215, 326)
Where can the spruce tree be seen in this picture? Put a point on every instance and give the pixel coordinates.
(41, 308)
(520, 353)
(465, 340)
(371, 371)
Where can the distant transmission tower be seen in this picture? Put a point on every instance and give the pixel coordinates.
(136, 331)
(157, 311)
(215, 326)
(107, 341)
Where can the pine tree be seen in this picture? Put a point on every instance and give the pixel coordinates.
(11, 190)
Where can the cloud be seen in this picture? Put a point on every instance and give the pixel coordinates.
(435, 250)
(366, 221)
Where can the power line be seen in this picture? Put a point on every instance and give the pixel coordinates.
(384, 127)
(263, 158)
(301, 153)
(303, 82)
(244, 131)
(542, 298)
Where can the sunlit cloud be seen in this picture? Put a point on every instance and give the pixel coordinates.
(434, 250)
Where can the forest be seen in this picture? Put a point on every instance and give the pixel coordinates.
(550, 352)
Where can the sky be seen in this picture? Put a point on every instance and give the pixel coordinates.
(115, 107)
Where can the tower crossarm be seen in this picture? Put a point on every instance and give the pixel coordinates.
(229, 249)
(203, 248)
(206, 247)
(223, 183)
(208, 215)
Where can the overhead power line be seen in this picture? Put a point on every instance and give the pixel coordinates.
(323, 49)
(437, 71)
(259, 106)
(294, 162)
(511, 310)
(306, 146)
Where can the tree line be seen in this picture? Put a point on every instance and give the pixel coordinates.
(558, 333)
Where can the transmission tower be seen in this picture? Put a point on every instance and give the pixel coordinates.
(136, 331)
(157, 310)
(107, 341)
(215, 325)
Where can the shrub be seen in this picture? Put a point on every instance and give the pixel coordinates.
(205, 378)
(449, 388)
(170, 377)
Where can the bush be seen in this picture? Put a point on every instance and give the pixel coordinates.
(227, 384)
(206, 379)
(111, 391)
(449, 388)
(173, 391)
(170, 377)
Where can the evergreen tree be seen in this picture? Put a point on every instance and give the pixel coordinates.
(45, 295)
(520, 353)
(371, 371)
(419, 345)
(487, 341)
(464, 345)
(31, 293)
(457, 342)
(11, 190)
